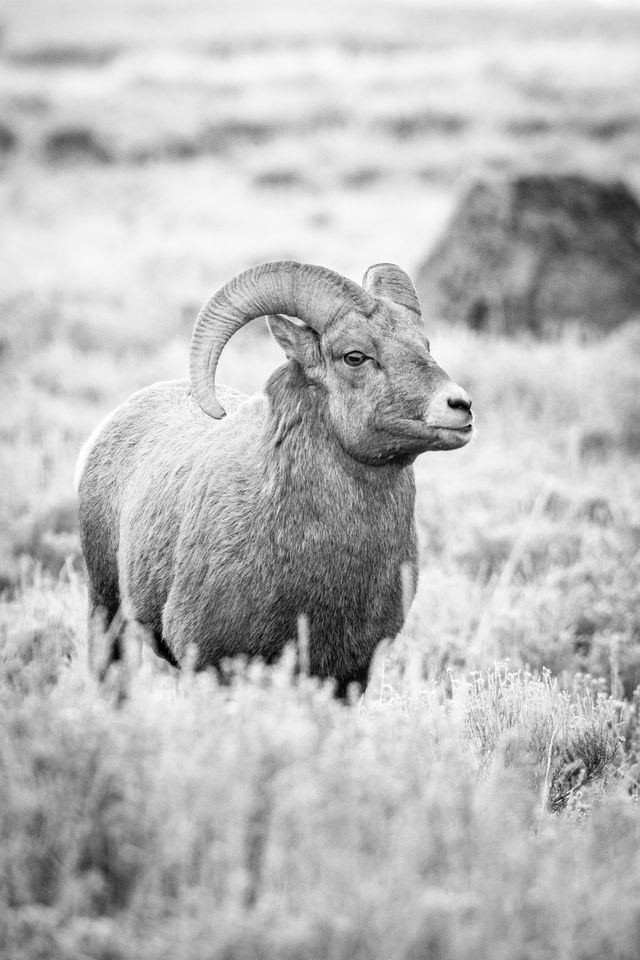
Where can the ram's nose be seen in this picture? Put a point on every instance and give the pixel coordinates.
(458, 399)
(450, 408)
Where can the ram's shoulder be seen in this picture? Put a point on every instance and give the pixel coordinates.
(230, 398)
(166, 407)
(176, 397)
(169, 401)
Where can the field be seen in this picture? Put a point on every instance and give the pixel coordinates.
(482, 799)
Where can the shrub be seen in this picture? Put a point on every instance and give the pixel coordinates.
(74, 145)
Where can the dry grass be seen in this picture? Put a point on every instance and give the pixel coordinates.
(266, 820)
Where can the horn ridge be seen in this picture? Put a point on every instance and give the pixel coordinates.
(315, 294)
(390, 281)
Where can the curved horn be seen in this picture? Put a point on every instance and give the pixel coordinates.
(388, 280)
(313, 294)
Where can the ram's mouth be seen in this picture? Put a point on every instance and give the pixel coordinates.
(465, 428)
(417, 427)
(449, 438)
(465, 431)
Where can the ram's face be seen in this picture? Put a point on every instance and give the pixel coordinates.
(388, 399)
(384, 396)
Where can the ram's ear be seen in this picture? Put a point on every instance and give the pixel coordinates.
(298, 341)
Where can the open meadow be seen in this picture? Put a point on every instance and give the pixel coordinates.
(482, 799)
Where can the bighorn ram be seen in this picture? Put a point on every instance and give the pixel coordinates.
(216, 519)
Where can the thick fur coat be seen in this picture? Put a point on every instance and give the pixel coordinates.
(217, 520)
(227, 530)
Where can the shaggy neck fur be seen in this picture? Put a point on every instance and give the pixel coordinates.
(340, 530)
(300, 438)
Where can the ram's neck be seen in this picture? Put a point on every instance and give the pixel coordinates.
(303, 454)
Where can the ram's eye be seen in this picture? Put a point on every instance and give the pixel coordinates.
(354, 358)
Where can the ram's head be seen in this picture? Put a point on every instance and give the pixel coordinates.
(363, 349)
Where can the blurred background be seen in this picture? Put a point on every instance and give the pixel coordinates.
(150, 150)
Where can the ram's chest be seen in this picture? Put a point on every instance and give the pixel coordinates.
(348, 583)
(345, 562)
(332, 555)
(333, 524)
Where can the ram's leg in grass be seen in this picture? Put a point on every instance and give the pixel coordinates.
(159, 646)
(105, 629)
(355, 683)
